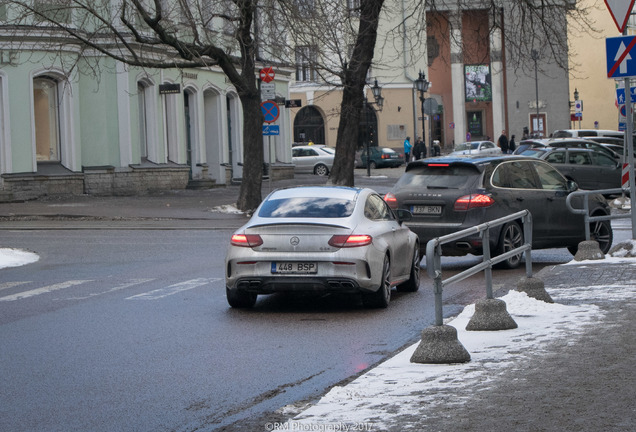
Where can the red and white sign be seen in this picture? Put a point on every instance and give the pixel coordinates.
(267, 74)
(625, 176)
(620, 11)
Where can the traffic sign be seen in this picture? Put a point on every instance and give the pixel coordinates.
(620, 95)
(271, 129)
(578, 106)
(619, 60)
(267, 74)
(620, 11)
(268, 90)
(270, 111)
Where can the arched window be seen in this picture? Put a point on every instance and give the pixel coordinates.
(143, 101)
(309, 126)
(46, 102)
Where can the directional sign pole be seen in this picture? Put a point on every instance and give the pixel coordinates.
(629, 145)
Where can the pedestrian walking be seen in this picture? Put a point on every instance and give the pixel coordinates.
(407, 149)
(512, 145)
(419, 149)
(437, 150)
(502, 142)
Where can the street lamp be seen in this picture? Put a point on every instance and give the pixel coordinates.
(535, 56)
(576, 98)
(421, 85)
(379, 102)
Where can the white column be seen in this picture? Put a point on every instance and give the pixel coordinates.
(457, 78)
(497, 78)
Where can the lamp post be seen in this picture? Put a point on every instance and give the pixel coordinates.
(379, 102)
(421, 85)
(535, 56)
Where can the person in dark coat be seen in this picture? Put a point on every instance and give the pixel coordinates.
(419, 150)
(511, 145)
(502, 142)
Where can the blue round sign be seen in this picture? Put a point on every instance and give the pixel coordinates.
(270, 111)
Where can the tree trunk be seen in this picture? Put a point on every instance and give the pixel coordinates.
(355, 75)
(250, 192)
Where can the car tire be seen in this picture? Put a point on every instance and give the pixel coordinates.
(373, 165)
(511, 237)
(380, 299)
(321, 170)
(413, 284)
(600, 231)
(240, 299)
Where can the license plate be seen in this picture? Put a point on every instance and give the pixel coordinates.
(426, 209)
(294, 267)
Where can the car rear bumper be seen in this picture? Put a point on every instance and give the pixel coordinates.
(273, 284)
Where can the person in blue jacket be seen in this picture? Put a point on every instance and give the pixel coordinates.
(407, 149)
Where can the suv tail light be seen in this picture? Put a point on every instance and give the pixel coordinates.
(246, 240)
(391, 200)
(353, 240)
(468, 202)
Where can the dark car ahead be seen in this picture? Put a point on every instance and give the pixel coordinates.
(380, 157)
(590, 169)
(574, 143)
(449, 194)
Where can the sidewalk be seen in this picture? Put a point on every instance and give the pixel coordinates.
(177, 209)
(568, 367)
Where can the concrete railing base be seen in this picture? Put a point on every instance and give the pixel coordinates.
(439, 345)
(491, 314)
(589, 250)
(535, 288)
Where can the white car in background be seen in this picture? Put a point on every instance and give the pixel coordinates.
(476, 148)
(314, 159)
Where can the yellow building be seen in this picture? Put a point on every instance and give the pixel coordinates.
(589, 70)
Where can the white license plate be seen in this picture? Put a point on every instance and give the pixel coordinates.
(426, 209)
(294, 267)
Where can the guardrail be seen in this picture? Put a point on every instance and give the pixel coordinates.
(585, 211)
(434, 253)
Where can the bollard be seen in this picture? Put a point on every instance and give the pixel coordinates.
(589, 250)
(535, 288)
(439, 345)
(491, 314)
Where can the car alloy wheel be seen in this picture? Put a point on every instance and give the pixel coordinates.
(601, 231)
(511, 238)
(382, 297)
(413, 284)
(321, 170)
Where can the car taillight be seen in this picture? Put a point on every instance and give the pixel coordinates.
(391, 200)
(246, 240)
(468, 202)
(353, 240)
(385, 156)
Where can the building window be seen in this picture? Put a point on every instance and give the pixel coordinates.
(353, 8)
(305, 8)
(142, 100)
(305, 61)
(46, 104)
(56, 11)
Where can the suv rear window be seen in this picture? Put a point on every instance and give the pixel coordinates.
(439, 177)
(308, 207)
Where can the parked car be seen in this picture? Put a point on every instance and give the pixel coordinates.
(476, 147)
(380, 157)
(316, 159)
(323, 238)
(574, 143)
(449, 194)
(527, 145)
(578, 133)
(590, 169)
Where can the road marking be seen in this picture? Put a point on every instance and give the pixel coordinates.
(7, 285)
(43, 290)
(133, 282)
(173, 289)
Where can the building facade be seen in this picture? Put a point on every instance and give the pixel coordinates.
(75, 121)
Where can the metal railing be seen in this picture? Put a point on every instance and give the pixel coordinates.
(585, 211)
(434, 253)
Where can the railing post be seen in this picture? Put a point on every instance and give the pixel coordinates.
(485, 240)
(527, 235)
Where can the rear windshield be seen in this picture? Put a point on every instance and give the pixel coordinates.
(306, 207)
(444, 177)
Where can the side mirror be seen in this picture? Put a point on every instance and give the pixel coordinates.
(403, 215)
(572, 186)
